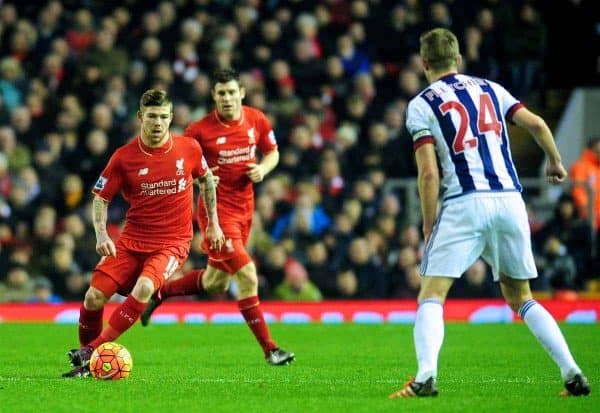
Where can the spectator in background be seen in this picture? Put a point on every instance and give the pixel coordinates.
(296, 286)
(526, 49)
(585, 173)
(354, 60)
(5, 178)
(43, 292)
(307, 219)
(558, 267)
(574, 232)
(370, 277)
(272, 266)
(12, 83)
(18, 155)
(17, 286)
(320, 268)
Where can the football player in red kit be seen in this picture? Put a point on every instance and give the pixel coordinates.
(155, 173)
(230, 136)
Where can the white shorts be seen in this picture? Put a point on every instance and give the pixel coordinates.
(493, 226)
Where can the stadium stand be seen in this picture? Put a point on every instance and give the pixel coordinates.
(333, 76)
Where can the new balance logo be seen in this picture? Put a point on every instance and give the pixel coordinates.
(143, 171)
(221, 140)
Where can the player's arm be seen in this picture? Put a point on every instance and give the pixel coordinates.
(104, 244)
(208, 192)
(257, 172)
(537, 127)
(428, 183)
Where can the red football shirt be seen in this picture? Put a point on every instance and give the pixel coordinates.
(158, 185)
(231, 145)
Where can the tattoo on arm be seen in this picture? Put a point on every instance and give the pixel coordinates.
(100, 214)
(209, 194)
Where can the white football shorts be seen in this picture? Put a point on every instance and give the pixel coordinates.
(491, 225)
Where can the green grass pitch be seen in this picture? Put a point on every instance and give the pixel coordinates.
(339, 368)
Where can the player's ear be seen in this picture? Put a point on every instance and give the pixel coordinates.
(139, 114)
(425, 64)
(242, 92)
(459, 63)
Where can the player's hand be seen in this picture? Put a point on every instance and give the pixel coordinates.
(216, 178)
(105, 246)
(256, 172)
(555, 172)
(215, 236)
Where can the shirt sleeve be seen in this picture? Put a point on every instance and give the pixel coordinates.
(508, 103)
(110, 181)
(266, 139)
(418, 125)
(200, 165)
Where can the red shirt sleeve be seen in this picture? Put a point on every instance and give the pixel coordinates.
(200, 166)
(110, 181)
(266, 136)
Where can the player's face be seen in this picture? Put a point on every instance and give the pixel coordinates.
(228, 98)
(155, 124)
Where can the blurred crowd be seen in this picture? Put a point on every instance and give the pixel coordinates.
(333, 76)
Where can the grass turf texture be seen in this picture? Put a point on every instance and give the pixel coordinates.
(339, 368)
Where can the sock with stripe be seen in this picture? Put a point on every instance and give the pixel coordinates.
(545, 329)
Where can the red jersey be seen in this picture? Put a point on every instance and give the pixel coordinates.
(158, 185)
(231, 145)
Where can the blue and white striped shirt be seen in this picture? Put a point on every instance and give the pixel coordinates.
(465, 117)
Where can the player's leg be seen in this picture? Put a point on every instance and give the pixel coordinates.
(428, 335)
(108, 277)
(456, 242)
(128, 312)
(90, 322)
(543, 326)
(249, 305)
(189, 284)
(516, 266)
(90, 315)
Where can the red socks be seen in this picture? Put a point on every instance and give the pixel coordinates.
(90, 324)
(190, 283)
(249, 307)
(120, 320)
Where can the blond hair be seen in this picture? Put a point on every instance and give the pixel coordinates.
(439, 48)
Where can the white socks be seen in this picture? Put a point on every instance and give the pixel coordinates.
(428, 334)
(544, 328)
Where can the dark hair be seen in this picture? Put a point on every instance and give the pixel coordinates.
(224, 76)
(154, 97)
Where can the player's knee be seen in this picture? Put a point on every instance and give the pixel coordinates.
(247, 281)
(94, 299)
(516, 301)
(217, 285)
(143, 290)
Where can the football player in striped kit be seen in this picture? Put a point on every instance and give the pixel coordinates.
(461, 120)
